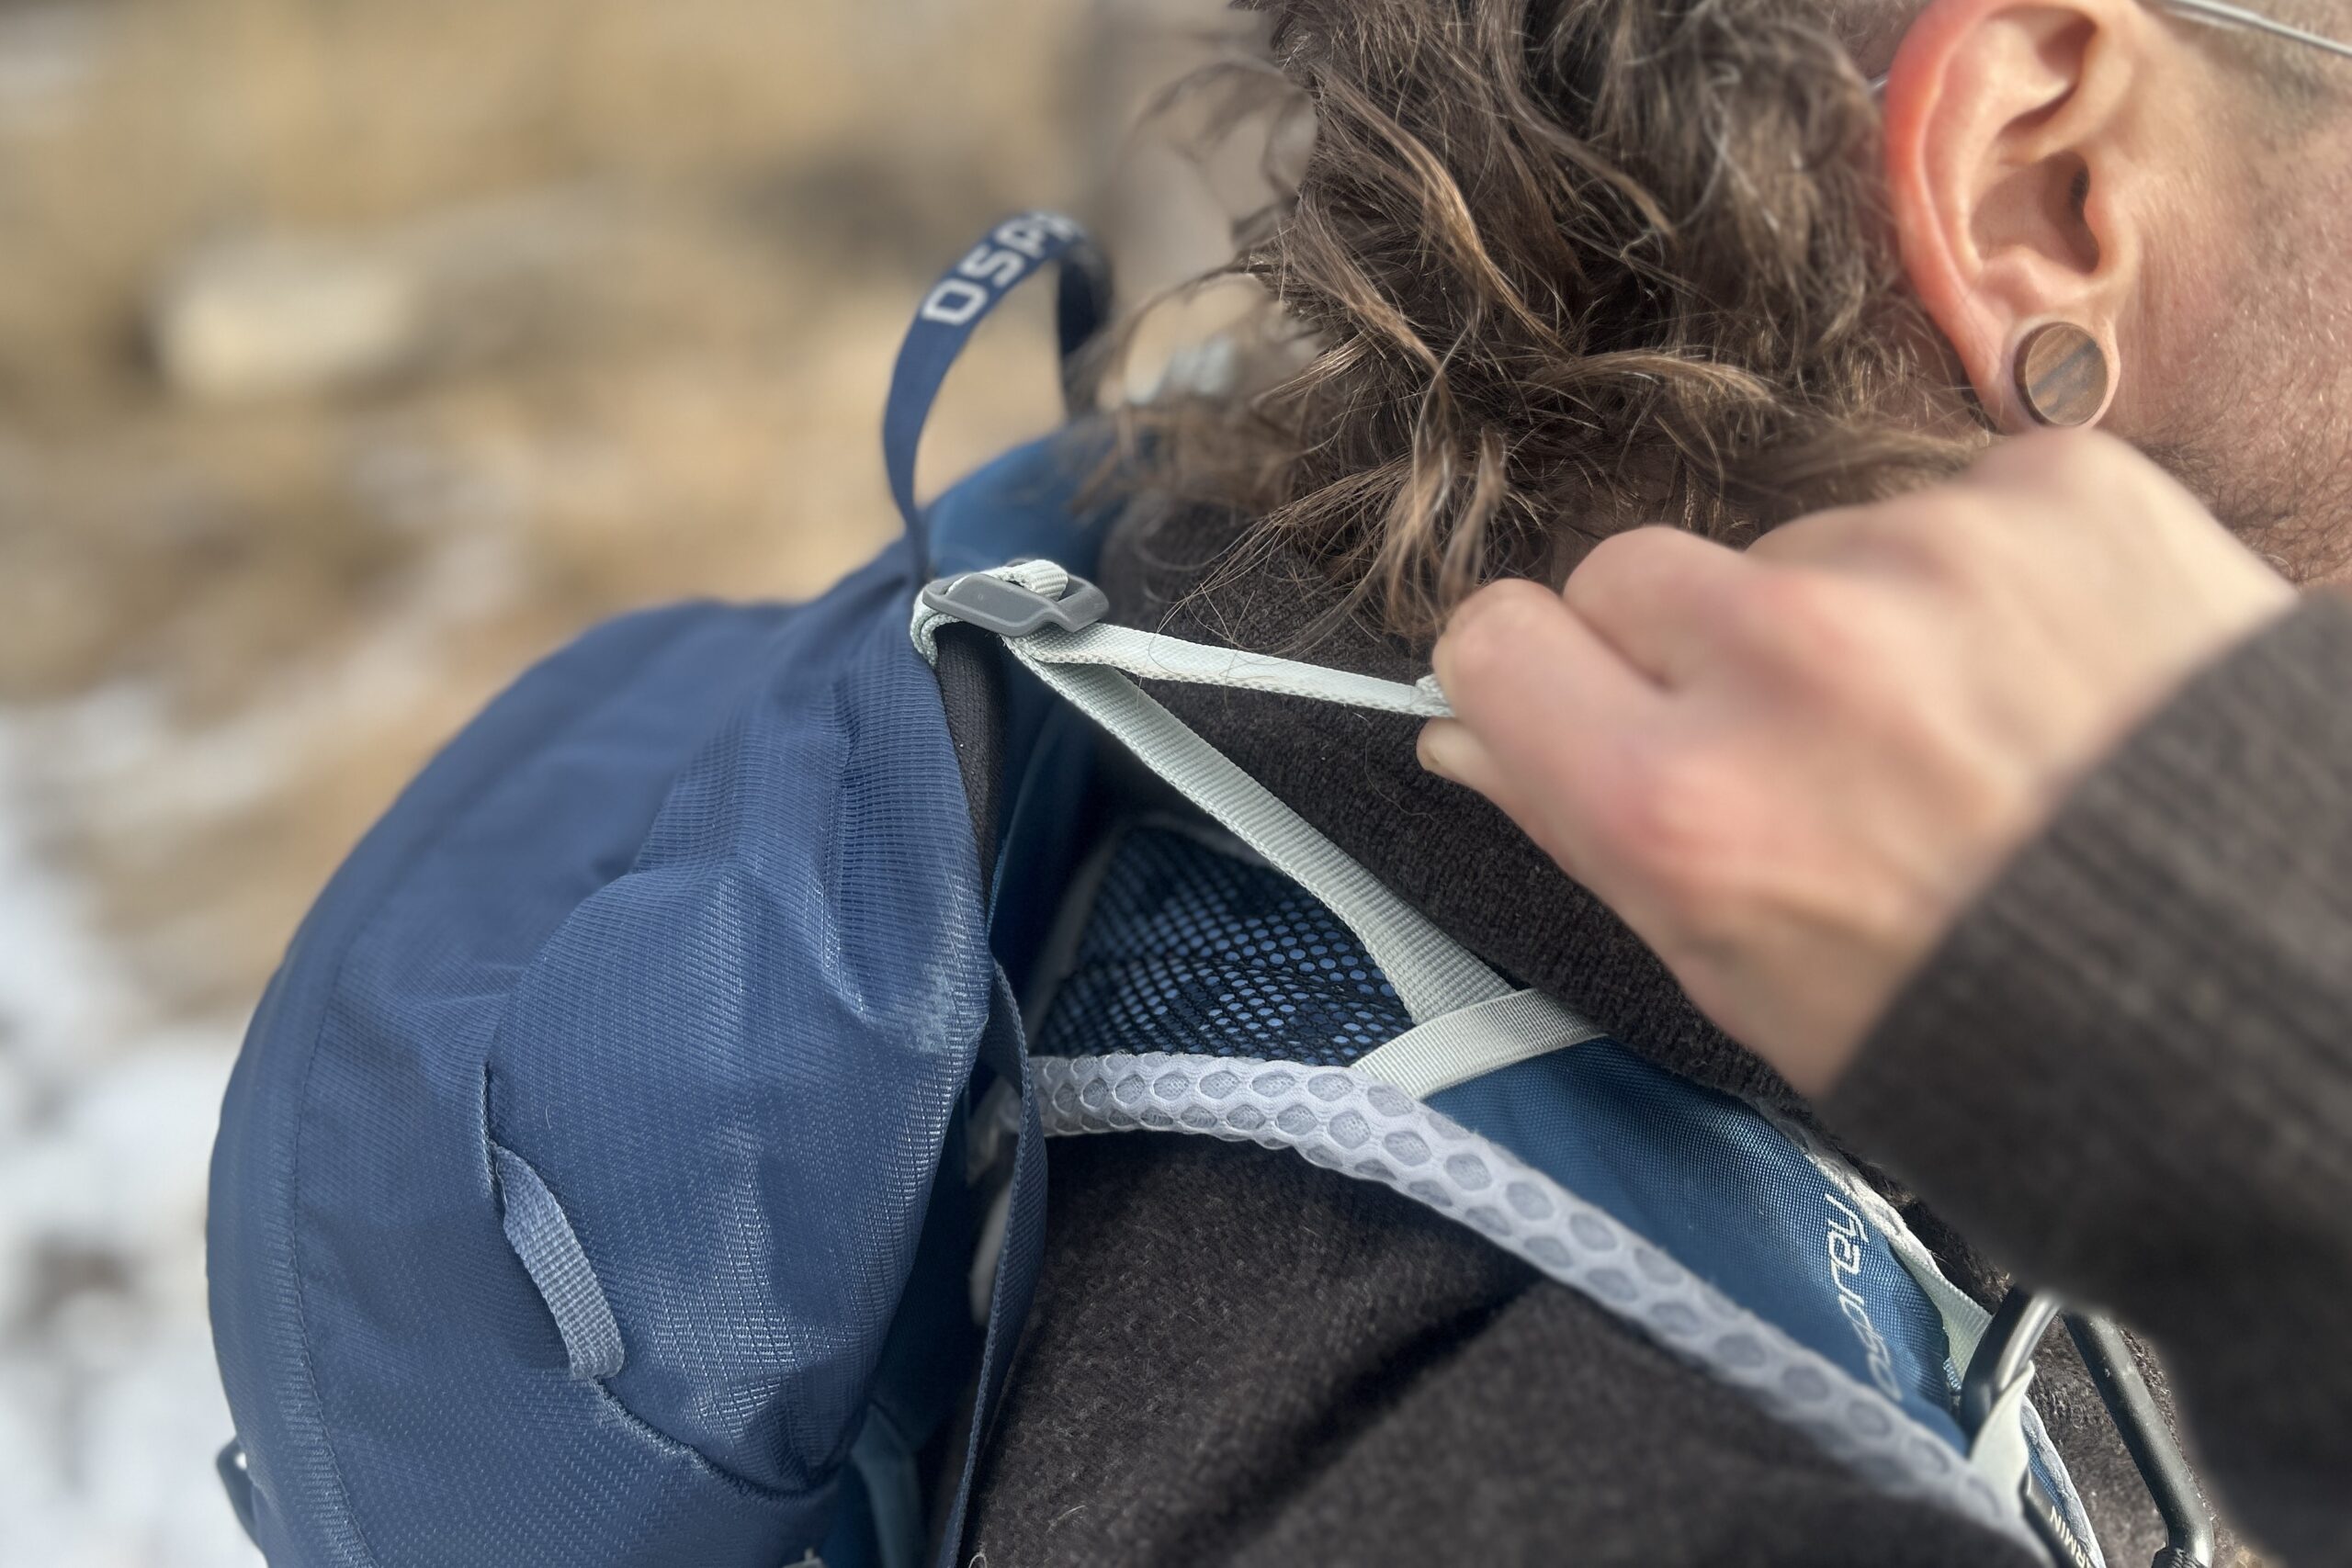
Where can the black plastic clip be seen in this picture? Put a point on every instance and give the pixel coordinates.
(2005, 1354)
(1010, 610)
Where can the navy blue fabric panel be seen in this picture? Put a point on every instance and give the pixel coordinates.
(1044, 836)
(932, 1341)
(1024, 503)
(262, 1307)
(1192, 949)
(1706, 1179)
(1018, 1262)
(689, 919)
(805, 978)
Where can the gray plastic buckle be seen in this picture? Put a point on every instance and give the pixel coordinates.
(1011, 611)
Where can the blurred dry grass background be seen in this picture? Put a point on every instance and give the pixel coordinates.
(658, 255)
(353, 352)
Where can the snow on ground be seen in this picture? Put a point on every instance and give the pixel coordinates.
(111, 1410)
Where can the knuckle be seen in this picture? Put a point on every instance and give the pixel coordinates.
(1629, 545)
(1488, 635)
(1629, 560)
(1940, 538)
(1809, 618)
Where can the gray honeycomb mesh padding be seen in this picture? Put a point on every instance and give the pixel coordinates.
(1341, 1119)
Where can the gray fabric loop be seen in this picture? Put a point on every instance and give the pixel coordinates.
(551, 1254)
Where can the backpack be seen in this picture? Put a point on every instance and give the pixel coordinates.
(637, 1161)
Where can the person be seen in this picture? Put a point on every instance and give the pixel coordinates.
(1975, 780)
(2053, 726)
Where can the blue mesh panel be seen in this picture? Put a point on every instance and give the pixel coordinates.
(1192, 949)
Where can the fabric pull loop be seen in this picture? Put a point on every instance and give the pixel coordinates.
(551, 1252)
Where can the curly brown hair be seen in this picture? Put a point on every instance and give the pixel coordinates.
(1554, 268)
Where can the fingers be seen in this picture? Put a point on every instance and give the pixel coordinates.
(1536, 693)
(1822, 537)
(1652, 594)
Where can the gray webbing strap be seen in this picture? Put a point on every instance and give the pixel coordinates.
(1473, 1041)
(1060, 630)
(1154, 657)
(1433, 974)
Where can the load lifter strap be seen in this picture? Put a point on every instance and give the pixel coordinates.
(1468, 1020)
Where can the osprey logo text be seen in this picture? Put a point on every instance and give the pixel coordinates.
(1845, 1234)
(996, 264)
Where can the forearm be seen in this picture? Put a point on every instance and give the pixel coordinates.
(2128, 1070)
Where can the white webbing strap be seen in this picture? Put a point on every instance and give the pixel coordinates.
(1153, 657)
(2002, 1451)
(1432, 1058)
(1434, 975)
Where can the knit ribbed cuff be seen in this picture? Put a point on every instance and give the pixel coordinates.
(2134, 1054)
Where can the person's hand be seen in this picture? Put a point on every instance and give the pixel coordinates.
(1788, 770)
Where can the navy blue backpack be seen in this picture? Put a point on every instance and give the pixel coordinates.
(639, 1159)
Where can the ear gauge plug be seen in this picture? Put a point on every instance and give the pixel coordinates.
(2061, 375)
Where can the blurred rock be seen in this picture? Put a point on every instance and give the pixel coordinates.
(279, 315)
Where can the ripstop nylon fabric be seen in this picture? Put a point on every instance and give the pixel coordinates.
(580, 1192)
(690, 922)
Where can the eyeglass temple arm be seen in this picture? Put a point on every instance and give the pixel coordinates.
(2223, 15)
(2220, 13)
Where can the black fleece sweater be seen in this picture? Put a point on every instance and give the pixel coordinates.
(2127, 1074)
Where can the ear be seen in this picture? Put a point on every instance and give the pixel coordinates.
(2022, 185)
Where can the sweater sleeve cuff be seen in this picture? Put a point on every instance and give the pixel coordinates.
(2137, 1045)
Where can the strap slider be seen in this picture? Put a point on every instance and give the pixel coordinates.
(1013, 610)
